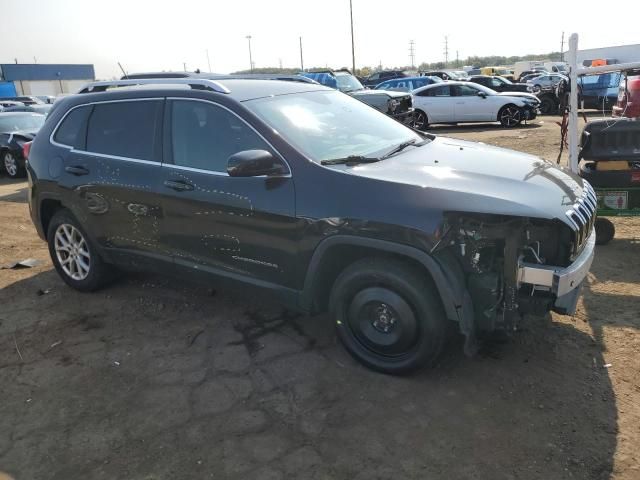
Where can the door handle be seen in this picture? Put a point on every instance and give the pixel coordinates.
(178, 186)
(77, 170)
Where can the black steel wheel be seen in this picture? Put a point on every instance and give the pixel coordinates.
(388, 315)
(510, 116)
(420, 120)
(605, 231)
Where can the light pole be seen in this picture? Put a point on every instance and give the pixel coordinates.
(248, 37)
(301, 60)
(353, 48)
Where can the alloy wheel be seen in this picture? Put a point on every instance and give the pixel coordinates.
(72, 252)
(420, 121)
(10, 164)
(511, 116)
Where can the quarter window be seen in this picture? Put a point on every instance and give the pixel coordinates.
(69, 132)
(125, 129)
(204, 136)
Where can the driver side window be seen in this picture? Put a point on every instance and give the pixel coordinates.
(204, 135)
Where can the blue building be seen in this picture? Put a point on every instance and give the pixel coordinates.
(43, 79)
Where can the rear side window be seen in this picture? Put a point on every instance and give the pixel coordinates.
(71, 129)
(125, 129)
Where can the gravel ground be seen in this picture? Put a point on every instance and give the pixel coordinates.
(153, 378)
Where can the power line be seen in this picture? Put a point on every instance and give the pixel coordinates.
(446, 51)
(412, 53)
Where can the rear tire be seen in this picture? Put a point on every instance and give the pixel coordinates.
(12, 165)
(420, 120)
(605, 231)
(74, 256)
(510, 116)
(388, 315)
(548, 106)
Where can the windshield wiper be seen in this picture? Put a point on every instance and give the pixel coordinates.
(401, 147)
(350, 160)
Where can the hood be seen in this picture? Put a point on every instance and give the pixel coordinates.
(390, 93)
(530, 96)
(455, 175)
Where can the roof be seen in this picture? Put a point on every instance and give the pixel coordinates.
(238, 89)
(12, 72)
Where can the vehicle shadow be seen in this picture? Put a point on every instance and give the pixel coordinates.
(479, 127)
(235, 384)
(13, 190)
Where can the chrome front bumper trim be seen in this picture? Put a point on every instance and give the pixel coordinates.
(560, 280)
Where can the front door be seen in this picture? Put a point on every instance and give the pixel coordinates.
(216, 223)
(469, 106)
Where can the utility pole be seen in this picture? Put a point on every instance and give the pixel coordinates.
(301, 60)
(562, 48)
(412, 53)
(208, 61)
(248, 37)
(184, 64)
(457, 60)
(353, 48)
(280, 62)
(446, 51)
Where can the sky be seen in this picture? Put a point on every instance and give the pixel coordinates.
(153, 35)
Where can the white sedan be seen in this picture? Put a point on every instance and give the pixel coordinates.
(460, 102)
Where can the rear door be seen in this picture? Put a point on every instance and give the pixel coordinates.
(213, 222)
(437, 103)
(113, 173)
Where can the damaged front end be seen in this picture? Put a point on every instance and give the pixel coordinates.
(512, 266)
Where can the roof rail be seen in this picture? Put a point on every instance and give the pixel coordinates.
(194, 83)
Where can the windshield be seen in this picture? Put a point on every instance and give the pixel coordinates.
(14, 123)
(348, 83)
(325, 125)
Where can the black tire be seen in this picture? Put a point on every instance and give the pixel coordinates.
(388, 315)
(13, 165)
(605, 231)
(548, 106)
(510, 116)
(420, 120)
(80, 252)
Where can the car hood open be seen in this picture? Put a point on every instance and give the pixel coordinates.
(455, 175)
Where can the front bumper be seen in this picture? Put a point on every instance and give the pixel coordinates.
(563, 282)
(405, 117)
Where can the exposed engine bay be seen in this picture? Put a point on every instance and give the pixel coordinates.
(488, 250)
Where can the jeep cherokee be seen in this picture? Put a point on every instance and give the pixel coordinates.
(314, 196)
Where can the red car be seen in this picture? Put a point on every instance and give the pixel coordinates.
(628, 100)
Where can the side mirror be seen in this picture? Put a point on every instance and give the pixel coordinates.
(254, 163)
(482, 94)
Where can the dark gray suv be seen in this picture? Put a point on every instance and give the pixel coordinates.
(316, 197)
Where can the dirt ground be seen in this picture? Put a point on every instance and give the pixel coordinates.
(152, 378)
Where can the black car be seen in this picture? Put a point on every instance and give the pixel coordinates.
(440, 74)
(34, 108)
(16, 129)
(379, 77)
(499, 84)
(311, 195)
(25, 99)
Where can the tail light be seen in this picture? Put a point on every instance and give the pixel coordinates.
(26, 148)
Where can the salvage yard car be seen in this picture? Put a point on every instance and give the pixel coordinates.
(460, 102)
(396, 104)
(16, 129)
(314, 196)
